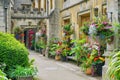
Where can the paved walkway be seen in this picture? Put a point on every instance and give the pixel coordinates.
(56, 70)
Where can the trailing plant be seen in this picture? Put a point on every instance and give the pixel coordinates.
(114, 66)
(12, 52)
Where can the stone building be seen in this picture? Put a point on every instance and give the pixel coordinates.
(78, 12)
(5, 12)
(36, 14)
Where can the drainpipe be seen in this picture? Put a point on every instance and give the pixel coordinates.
(6, 4)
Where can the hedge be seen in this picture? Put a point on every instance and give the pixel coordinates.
(12, 52)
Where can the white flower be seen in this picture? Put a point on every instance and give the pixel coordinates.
(92, 30)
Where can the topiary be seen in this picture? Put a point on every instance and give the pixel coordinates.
(12, 52)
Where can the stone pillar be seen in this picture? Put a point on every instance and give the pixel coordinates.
(112, 7)
(109, 49)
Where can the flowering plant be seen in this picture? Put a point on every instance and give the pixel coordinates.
(100, 28)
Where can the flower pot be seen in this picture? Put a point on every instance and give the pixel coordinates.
(57, 57)
(99, 69)
(63, 58)
(88, 71)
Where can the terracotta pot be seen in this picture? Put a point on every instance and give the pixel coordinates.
(57, 57)
(88, 71)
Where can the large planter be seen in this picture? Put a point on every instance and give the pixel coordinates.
(57, 57)
(63, 58)
(88, 71)
(25, 78)
(99, 69)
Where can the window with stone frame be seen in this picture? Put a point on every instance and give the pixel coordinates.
(104, 10)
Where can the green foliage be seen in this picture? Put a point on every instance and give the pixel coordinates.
(17, 30)
(78, 50)
(53, 47)
(3, 76)
(12, 52)
(117, 25)
(85, 28)
(41, 44)
(113, 71)
(23, 72)
(67, 27)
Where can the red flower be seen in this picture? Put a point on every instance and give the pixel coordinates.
(88, 55)
(96, 58)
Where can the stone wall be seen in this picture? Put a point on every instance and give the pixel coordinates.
(2, 17)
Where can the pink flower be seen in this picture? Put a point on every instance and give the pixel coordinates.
(58, 52)
(108, 27)
(105, 23)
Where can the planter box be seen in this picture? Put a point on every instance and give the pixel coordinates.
(25, 78)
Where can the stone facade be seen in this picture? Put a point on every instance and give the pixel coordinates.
(80, 11)
(5, 12)
(2, 18)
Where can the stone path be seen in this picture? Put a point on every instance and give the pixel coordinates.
(56, 70)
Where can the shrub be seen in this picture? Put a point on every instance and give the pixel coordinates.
(12, 52)
(23, 72)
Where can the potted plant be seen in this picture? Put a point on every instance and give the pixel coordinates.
(23, 73)
(79, 50)
(52, 49)
(57, 56)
